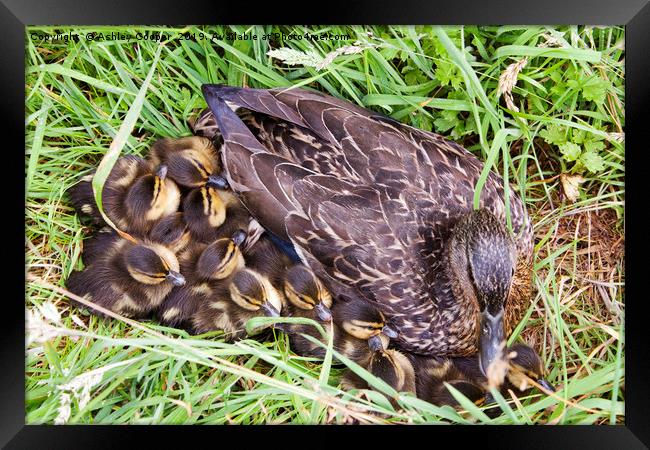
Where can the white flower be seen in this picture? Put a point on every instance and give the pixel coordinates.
(64, 410)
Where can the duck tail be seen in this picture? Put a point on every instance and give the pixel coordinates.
(249, 166)
(261, 100)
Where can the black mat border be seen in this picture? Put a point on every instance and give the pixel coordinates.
(16, 14)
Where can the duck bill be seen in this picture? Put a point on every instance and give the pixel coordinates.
(389, 332)
(546, 385)
(239, 237)
(269, 310)
(161, 172)
(375, 344)
(323, 312)
(492, 339)
(176, 278)
(218, 182)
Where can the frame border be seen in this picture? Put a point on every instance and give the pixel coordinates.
(15, 15)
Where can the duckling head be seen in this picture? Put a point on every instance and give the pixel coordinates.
(393, 368)
(153, 264)
(192, 167)
(525, 361)
(253, 292)
(153, 196)
(482, 261)
(305, 291)
(363, 321)
(204, 207)
(171, 231)
(222, 258)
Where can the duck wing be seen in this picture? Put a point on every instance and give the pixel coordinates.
(361, 240)
(330, 135)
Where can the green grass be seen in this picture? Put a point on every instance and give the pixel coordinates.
(82, 99)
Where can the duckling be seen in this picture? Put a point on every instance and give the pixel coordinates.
(211, 212)
(524, 363)
(466, 375)
(216, 262)
(191, 160)
(135, 196)
(246, 294)
(171, 231)
(362, 327)
(127, 278)
(267, 259)
(433, 372)
(358, 327)
(389, 365)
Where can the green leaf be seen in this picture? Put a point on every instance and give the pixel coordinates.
(446, 121)
(578, 136)
(594, 146)
(595, 90)
(592, 161)
(447, 74)
(570, 151)
(554, 134)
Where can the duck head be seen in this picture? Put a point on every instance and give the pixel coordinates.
(524, 364)
(253, 292)
(222, 258)
(153, 264)
(203, 207)
(153, 196)
(305, 291)
(363, 321)
(192, 165)
(171, 231)
(482, 260)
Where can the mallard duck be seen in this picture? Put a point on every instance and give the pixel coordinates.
(191, 161)
(206, 264)
(136, 195)
(381, 211)
(389, 365)
(127, 278)
(233, 301)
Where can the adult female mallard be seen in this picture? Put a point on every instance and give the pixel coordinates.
(381, 211)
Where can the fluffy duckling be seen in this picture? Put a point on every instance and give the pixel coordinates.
(191, 161)
(267, 259)
(433, 372)
(389, 365)
(358, 327)
(306, 294)
(212, 212)
(127, 278)
(244, 295)
(362, 327)
(524, 363)
(170, 231)
(466, 375)
(135, 196)
(215, 263)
